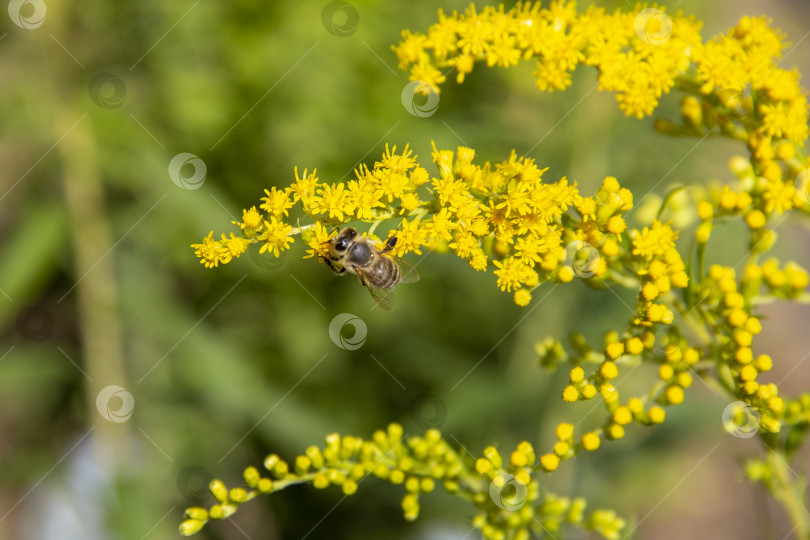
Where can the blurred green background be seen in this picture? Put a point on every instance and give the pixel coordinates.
(99, 287)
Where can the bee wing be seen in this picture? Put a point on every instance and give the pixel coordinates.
(383, 297)
(409, 273)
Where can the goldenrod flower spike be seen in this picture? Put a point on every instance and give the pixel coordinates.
(464, 209)
(528, 226)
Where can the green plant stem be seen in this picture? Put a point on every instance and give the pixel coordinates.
(789, 493)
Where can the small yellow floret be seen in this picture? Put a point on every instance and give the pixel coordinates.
(622, 416)
(674, 395)
(755, 219)
(549, 462)
(614, 350)
(614, 431)
(763, 362)
(737, 317)
(522, 297)
(705, 210)
(657, 415)
(634, 345)
(565, 431)
(590, 441)
(748, 373)
(608, 369)
(570, 394)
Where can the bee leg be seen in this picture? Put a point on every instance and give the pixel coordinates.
(332, 267)
(390, 244)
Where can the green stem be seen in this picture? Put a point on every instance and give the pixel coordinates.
(789, 493)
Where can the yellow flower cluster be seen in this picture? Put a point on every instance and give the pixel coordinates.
(640, 54)
(507, 495)
(533, 231)
(638, 62)
(504, 212)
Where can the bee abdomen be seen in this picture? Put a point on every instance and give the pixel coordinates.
(385, 275)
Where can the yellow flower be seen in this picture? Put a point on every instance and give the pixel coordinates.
(277, 202)
(332, 200)
(465, 243)
(654, 241)
(232, 247)
(275, 236)
(364, 196)
(251, 219)
(410, 49)
(503, 52)
(209, 251)
(392, 184)
(397, 163)
(304, 187)
(409, 202)
(317, 239)
(511, 273)
(409, 237)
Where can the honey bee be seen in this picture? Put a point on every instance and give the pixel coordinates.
(376, 268)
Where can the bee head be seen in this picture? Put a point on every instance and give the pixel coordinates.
(341, 241)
